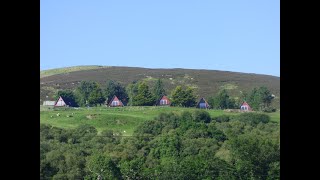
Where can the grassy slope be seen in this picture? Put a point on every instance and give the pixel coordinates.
(52, 72)
(205, 82)
(122, 119)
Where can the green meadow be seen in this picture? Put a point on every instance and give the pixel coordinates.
(123, 119)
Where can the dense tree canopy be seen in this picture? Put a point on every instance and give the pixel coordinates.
(115, 88)
(102, 167)
(222, 101)
(89, 93)
(132, 90)
(139, 94)
(158, 90)
(68, 96)
(171, 146)
(144, 96)
(96, 97)
(260, 98)
(183, 97)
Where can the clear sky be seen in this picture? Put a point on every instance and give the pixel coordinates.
(231, 35)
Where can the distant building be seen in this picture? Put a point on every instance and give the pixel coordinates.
(64, 103)
(164, 101)
(60, 102)
(245, 107)
(203, 104)
(115, 102)
(48, 103)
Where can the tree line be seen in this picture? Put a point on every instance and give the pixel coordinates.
(89, 93)
(259, 99)
(172, 146)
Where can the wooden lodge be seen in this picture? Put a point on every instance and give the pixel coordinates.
(203, 104)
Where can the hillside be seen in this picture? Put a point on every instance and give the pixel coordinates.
(205, 82)
(124, 119)
(67, 70)
(140, 141)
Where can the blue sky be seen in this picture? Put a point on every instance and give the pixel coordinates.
(237, 35)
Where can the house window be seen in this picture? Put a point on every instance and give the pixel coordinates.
(244, 108)
(202, 105)
(163, 101)
(115, 103)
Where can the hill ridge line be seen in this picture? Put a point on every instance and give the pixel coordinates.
(94, 67)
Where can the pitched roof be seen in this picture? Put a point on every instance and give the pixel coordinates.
(164, 98)
(66, 101)
(245, 104)
(115, 98)
(202, 100)
(60, 100)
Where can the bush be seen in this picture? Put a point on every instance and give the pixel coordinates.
(186, 116)
(269, 109)
(222, 118)
(252, 118)
(201, 116)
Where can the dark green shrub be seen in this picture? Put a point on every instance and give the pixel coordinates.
(201, 116)
(222, 118)
(269, 109)
(252, 118)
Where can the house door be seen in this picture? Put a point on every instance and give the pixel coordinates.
(202, 105)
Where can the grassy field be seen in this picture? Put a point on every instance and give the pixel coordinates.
(52, 72)
(124, 119)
